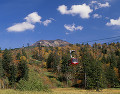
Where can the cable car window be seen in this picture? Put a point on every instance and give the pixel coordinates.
(74, 60)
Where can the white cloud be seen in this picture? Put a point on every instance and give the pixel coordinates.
(46, 22)
(33, 18)
(72, 27)
(98, 5)
(114, 22)
(20, 27)
(82, 10)
(97, 16)
(104, 5)
(52, 19)
(29, 24)
(107, 18)
(69, 27)
(63, 9)
(67, 33)
(93, 2)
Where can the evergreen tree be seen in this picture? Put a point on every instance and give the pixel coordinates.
(117, 52)
(35, 55)
(22, 70)
(18, 56)
(0, 50)
(86, 66)
(6, 61)
(24, 53)
(65, 63)
(118, 44)
(50, 60)
(66, 68)
(9, 67)
(113, 61)
(1, 74)
(104, 50)
(53, 61)
(104, 60)
(56, 62)
(94, 74)
(110, 72)
(99, 75)
(12, 75)
(1, 69)
(111, 77)
(118, 64)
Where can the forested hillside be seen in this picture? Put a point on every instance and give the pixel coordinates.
(98, 68)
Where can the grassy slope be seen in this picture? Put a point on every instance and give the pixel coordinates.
(62, 91)
(46, 77)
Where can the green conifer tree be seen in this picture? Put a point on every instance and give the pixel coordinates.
(12, 75)
(1, 69)
(50, 60)
(24, 53)
(9, 67)
(94, 75)
(111, 77)
(18, 56)
(22, 70)
(56, 62)
(0, 50)
(6, 61)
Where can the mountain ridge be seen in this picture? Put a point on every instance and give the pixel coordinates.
(54, 43)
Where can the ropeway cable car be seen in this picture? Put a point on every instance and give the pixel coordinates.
(73, 61)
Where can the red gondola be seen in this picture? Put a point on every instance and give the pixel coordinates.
(73, 61)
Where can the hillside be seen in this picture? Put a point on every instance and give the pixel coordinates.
(54, 43)
(47, 67)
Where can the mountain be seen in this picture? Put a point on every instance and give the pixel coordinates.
(54, 43)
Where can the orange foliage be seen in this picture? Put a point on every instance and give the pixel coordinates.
(116, 72)
(79, 81)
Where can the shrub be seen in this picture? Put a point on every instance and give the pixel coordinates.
(34, 83)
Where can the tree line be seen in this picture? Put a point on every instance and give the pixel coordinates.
(11, 72)
(99, 65)
(98, 68)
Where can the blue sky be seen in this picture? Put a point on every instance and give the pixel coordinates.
(27, 21)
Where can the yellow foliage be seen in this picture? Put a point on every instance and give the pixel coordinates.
(59, 48)
(108, 64)
(46, 55)
(79, 57)
(100, 58)
(44, 64)
(119, 49)
(27, 60)
(23, 58)
(61, 61)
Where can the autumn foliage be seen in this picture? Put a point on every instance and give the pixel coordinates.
(99, 64)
